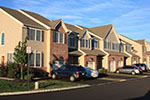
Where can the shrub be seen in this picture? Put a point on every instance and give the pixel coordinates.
(3, 71)
(39, 72)
(102, 70)
(31, 76)
(13, 70)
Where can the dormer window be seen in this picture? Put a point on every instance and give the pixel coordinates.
(85, 43)
(71, 41)
(115, 46)
(107, 45)
(95, 44)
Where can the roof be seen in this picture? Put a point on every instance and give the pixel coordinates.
(42, 19)
(71, 27)
(53, 23)
(148, 52)
(140, 41)
(37, 16)
(94, 52)
(133, 54)
(74, 52)
(101, 30)
(21, 17)
(75, 29)
(116, 53)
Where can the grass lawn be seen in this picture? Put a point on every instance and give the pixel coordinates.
(12, 86)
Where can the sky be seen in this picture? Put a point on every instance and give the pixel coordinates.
(129, 17)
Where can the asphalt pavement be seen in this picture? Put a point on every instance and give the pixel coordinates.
(138, 89)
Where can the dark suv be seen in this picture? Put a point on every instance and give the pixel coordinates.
(142, 66)
(73, 72)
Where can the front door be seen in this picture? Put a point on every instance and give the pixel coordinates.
(112, 67)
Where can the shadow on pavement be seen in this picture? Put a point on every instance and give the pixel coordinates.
(145, 97)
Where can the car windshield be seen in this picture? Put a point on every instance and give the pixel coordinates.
(80, 68)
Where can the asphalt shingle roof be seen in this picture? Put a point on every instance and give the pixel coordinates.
(22, 18)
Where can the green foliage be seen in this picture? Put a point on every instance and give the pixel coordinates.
(31, 76)
(3, 71)
(102, 70)
(13, 70)
(20, 55)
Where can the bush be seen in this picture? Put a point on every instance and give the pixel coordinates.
(39, 72)
(3, 71)
(13, 70)
(31, 76)
(102, 70)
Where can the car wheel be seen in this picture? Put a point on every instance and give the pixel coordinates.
(72, 78)
(133, 73)
(54, 76)
(117, 71)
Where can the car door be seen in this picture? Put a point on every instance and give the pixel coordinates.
(61, 71)
(123, 70)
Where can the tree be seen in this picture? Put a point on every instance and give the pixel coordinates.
(20, 55)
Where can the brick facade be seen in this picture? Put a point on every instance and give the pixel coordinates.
(90, 59)
(58, 52)
(116, 59)
(135, 59)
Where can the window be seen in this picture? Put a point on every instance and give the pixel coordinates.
(58, 37)
(143, 49)
(85, 43)
(107, 45)
(121, 49)
(36, 59)
(95, 44)
(115, 46)
(71, 42)
(36, 34)
(2, 38)
(128, 48)
(10, 57)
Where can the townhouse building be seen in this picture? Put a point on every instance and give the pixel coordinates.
(55, 43)
(133, 49)
(47, 38)
(145, 51)
(116, 57)
(84, 47)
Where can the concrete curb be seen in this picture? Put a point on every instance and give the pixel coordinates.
(5, 78)
(42, 91)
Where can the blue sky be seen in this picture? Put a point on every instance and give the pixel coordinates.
(129, 17)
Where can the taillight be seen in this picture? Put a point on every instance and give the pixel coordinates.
(77, 73)
(139, 69)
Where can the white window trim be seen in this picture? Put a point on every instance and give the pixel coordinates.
(36, 33)
(84, 46)
(63, 36)
(9, 56)
(34, 53)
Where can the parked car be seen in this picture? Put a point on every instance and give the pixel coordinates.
(129, 69)
(91, 73)
(73, 72)
(142, 66)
